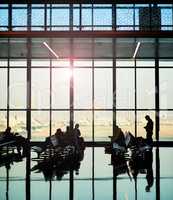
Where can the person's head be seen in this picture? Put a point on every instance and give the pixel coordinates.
(8, 129)
(77, 126)
(67, 128)
(147, 117)
(58, 131)
(147, 188)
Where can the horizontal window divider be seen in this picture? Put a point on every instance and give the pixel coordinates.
(80, 109)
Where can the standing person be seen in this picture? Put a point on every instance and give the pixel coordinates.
(149, 129)
(76, 134)
(76, 130)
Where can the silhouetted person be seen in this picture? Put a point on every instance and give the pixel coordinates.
(67, 130)
(76, 135)
(118, 136)
(8, 135)
(22, 143)
(149, 129)
(59, 136)
(77, 131)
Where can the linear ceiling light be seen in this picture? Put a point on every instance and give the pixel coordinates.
(51, 50)
(136, 50)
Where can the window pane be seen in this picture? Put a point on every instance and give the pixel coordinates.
(166, 125)
(18, 122)
(82, 48)
(18, 47)
(83, 63)
(18, 63)
(61, 63)
(102, 125)
(60, 119)
(146, 88)
(141, 122)
(125, 19)
(60, 17)
(103, 63)
(166, 63)
(82, 88)
(86, 17)
(19, 17)
(60, 88)
(76, 16)
(3, 88)
(84, 119)
(40, 63)
(39, 125)
(103, 96)
(166, 89)
(3, 63)
(125, 63)
(125, 91)
(103, 17)
(18, 88)
(3, 120)
(103, 48)
(40, 88)
(126, 121)
(145, 63)
(35, 20)
(3, 17)
(166, 18)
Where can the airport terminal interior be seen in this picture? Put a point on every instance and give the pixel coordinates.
(86, 100)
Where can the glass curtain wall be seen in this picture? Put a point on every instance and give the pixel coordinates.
(95, 81)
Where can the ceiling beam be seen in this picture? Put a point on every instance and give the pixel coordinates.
(85, 34)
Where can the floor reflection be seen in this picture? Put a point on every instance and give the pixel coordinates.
(99, 176)
(62, 162)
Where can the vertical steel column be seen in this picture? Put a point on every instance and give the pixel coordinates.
(71, 192)
(8, 84)
(8, 62)
(45, 17)
(157, 93)
(157, 116)
(114, 120)
(135, 93)
(28, 114)
(50, 81)
(28, 118)
(114, 67)
(50, 92)
(80, 16)
(71, 68)
(93, 106)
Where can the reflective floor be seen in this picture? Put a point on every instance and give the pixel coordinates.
(95, 180)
